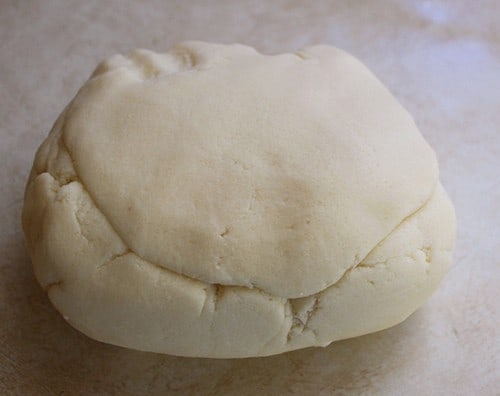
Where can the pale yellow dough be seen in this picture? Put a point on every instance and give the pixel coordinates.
(213, 201)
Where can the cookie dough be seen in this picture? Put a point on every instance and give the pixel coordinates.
(213, 201)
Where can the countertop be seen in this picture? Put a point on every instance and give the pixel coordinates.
(440, 58)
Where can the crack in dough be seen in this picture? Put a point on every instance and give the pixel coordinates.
(115, 257)
(302, 310)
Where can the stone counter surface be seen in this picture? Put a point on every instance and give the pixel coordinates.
(440, 58)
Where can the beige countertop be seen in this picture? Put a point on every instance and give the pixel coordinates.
(440, 58)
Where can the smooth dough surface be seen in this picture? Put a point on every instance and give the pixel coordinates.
(213, 201)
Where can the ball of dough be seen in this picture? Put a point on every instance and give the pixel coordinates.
(213, 201)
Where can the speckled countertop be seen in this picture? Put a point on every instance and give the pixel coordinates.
(441, 59)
